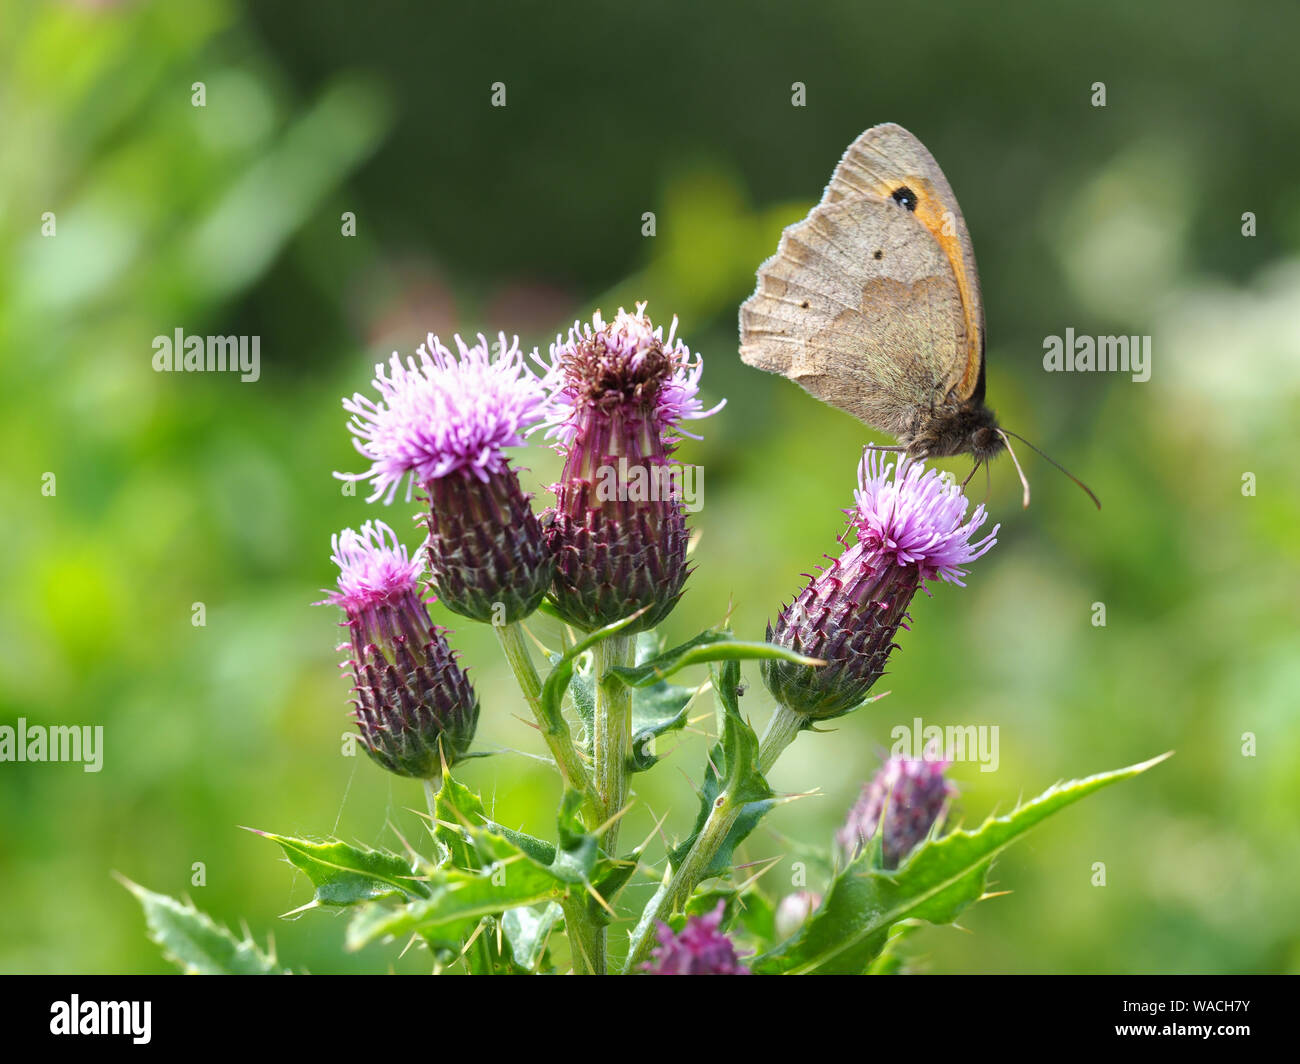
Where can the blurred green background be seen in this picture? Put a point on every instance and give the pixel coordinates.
(174, 489)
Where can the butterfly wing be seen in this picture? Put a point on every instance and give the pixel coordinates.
(887, 158)
(861, 307)
(896, 353)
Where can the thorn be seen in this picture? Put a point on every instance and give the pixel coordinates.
(602, 902)
(772, 862)
(546, 651)
(638, 850)
(601, 830)
(477, 931)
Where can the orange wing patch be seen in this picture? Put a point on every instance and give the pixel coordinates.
(942, 225)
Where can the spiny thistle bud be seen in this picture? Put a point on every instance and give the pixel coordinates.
(700, 949)
(443, 424)
(618, 528)
(411, 696)
(910, 530)
(913, 795)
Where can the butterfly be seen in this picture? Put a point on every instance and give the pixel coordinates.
(872, 304)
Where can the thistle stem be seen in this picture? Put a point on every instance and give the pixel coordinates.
(612, 731)
(555, 731)
(781, 731)
(673, 895)
(586, 939)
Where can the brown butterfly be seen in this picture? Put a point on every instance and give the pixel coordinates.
(872, 304)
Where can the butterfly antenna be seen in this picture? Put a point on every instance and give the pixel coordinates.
(1004, 433)
(1023, 480)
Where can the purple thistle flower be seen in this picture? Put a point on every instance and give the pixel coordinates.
(443, 424)
(618, 529)
(700, 949)
(914, 517)
(445, 414)
(913, 796)
(910, 529)
(414, 706)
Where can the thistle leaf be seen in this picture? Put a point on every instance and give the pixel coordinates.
(939, 880)
(349, 875)
(195, 943)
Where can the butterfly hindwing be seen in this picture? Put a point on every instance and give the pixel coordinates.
(860, 307)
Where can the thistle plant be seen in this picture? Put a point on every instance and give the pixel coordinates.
(599, 571)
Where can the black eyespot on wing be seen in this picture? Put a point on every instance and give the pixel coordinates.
(905, 197)
(804, 304)
(878, 255)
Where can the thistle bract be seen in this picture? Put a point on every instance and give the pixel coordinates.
(443, 423)
(413, 705)
(618, 527)
(910, 528)
(912, 795)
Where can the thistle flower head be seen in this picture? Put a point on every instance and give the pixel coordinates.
(700, 949)
(909, 515)
(413, 705)
(911, 527)
(912, 796)
(618, 527)
(625, 368)
(373, 567)
(444, 414)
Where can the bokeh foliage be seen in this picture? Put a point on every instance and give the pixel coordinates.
(177, 489)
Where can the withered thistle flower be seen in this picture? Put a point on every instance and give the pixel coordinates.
(910, 529)
(913, 796)
(618, 527)
(443, 423)
(700, 949)
(413, 704)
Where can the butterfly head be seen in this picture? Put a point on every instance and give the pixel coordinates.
(970, 428)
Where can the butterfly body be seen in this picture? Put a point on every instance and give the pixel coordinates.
(872, 302)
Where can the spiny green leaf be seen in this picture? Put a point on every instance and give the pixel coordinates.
(196, 944)
(348, 875)
(458, 900)
(527, 930)
(935, 883)
(460, 811)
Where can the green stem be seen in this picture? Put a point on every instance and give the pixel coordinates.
(612, 740)
(781, 731)
(673, 895)
(586, 939)
(555, 731)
